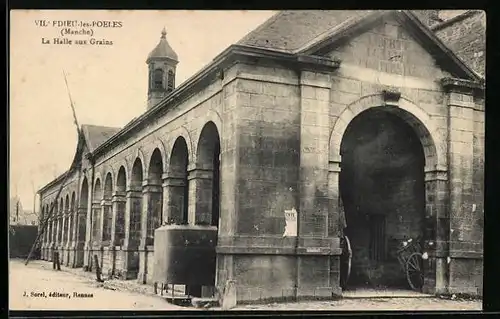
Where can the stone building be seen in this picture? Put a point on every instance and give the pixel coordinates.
(365, 119)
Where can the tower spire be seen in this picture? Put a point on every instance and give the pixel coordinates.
(164, 33)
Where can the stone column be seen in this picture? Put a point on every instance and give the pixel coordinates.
(65, 239)
(200, 195)
(336, 219)
(436, 230)
(151, 195)
(80, 236)
(105, 238)
(315, 199)
(173, 198)
(133, 209)
(118, 211)
(463, 216)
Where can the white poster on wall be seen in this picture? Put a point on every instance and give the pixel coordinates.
(291, 223)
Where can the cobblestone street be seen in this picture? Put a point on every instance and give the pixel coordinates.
(38, 277)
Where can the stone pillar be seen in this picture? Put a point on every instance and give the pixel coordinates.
(80, 236)
(130, 255)
(65, 241)
(315, 199)
(118, 211)
(105, 237)
(173, 198)
(464, 252)
(436, 230)
(336, 218)
(200, 195)
(151, 197)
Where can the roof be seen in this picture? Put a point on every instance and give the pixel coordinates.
(289, 30)
(163, 49)
(95, 135)
(304, 31)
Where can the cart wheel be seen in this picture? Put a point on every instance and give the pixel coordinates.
(415, 272)
(345, 263)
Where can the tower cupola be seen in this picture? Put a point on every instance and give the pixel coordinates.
(162, 62)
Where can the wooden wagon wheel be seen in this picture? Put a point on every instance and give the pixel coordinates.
(345, 263)
(415, 271)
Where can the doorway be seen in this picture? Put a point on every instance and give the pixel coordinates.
(382, 189)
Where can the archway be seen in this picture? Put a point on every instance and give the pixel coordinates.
(207, 193)
(179, 191)
(82, 210)
(382, 188)
(107, 212)
(96, 211)
(121, 187)
(136, 209)
(66, 220)
(60, 222)
(155, 195)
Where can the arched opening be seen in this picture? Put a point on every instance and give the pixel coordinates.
(96, 211)
(60, 221)
(136, 209)
(82, 214)
(208, 158)
(382, 188)
(178, 202)
(121, 187)
(158, 78)
(107, 212)
(155, 195)
(72, 216)
(66, 219)
(171, 80)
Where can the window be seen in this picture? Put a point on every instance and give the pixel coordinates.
(158, 79)
(170, 80)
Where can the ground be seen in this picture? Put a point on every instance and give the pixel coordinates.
(38, 276)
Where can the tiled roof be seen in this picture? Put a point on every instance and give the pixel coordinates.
(163, 49)
(290, 30)
(97, 135)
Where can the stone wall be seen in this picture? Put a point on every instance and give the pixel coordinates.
(467, 38)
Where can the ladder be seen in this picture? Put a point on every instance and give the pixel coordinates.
(45, 221)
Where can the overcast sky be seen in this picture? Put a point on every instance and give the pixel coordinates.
(108, 84)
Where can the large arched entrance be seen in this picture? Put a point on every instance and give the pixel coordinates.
(382, 188)
(378, 148)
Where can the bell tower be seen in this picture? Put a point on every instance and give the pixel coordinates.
(162, 62)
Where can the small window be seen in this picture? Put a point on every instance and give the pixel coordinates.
(170, 80)
(158, 79)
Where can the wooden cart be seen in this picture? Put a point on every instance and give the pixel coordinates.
(411, 261)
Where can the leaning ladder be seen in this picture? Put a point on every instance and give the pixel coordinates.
(45, 220)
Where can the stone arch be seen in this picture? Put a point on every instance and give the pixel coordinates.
(158, 145)
(84, 193)
(139, 154)
(208, 150)
(174, 135)
(121, 179)
(177, 171)
(97, 190)
(108, 186)
(156, 166)
(137, 173)
(408, 111)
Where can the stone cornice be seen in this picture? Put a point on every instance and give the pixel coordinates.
(461, 85)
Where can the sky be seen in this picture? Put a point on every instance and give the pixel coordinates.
(108, 84)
